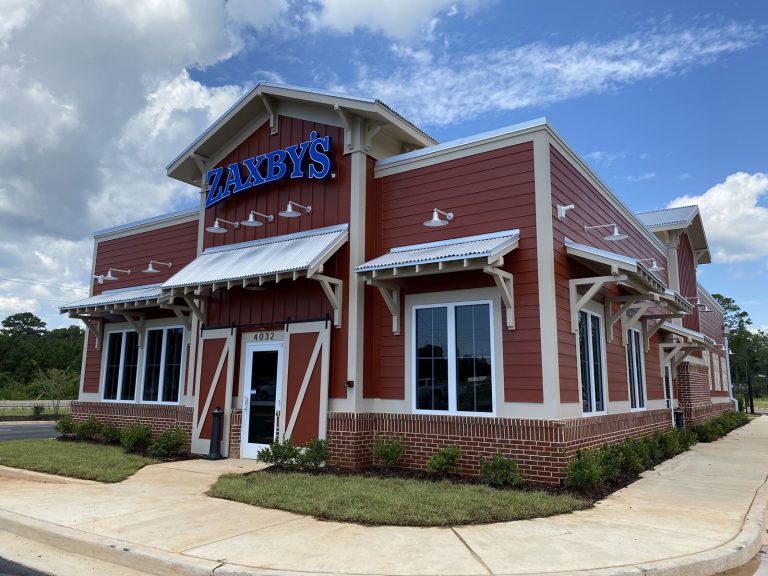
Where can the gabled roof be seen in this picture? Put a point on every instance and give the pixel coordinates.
(252, 105)
(686, 218)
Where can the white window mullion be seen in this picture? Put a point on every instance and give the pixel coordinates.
(591, 366)
(160, 384)
(452, 392)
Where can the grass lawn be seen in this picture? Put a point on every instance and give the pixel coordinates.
(28, 411)
(389, 501)
(761, 404)
(73, 459)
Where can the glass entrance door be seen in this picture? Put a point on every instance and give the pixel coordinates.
(261, 397)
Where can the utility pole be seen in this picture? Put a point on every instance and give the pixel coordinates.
(749, 391)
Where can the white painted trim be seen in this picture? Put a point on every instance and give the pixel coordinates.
(248, 450)
(415, 302)
(148, 225)
(550, 361)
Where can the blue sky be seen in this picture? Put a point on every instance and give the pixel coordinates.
(666, 102)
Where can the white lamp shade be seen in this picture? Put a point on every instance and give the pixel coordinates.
(616, 235)
(251, 221)
(216, 228)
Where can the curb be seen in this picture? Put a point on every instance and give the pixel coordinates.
(32, 476)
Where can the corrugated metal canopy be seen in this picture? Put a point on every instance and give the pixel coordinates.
(639, 275)
(688, 333)
(270, 259)
(147, 295)
(485, 246)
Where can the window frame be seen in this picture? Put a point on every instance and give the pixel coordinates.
(604, 372)
(451, 357)
(104, 368)
(639, 370)
(141, 363)
(161, 376)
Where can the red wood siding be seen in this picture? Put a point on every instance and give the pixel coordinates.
(92, 372)
(176, 244)
(687, 275)
(487, 192)
(308, 420)
(570, 187)
(330, 201)
(712, 324)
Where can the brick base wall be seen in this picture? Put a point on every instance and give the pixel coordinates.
(700, 414)
(542, 448)
(158, 418)
(235, 427)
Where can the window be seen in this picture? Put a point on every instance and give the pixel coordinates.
(705, 359)
(635, 370)
(724, 372)
(716, 369)
(453, 361)
(591, 362)
(121, 366)
(668, 385)
(162, 365)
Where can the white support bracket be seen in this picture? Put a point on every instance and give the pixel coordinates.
(271, 110)
(611, 317)
(654, 324)
(333, 288)
(371, 129)
(671, 350)
(136, 320)
(196, 309)
(94, 324)
(505, 284)
(630, 322)
(577, 303)
(346, 121)
(391, 296)
(180, 314)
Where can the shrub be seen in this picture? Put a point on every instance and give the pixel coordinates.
(742, 399)
(88, 429)
(498, 471)
(37, 410)
(720, 426)
(444, 461)
(655, 453)
(314, 454)
(168, 443)
(66, 425)
(613, 461)
(280, 453)
(687, 438)
(634, 456)
(585, 472)
(136, 437)
(387, 453)
(110, 433)
(669, 442)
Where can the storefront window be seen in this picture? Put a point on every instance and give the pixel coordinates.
(635, 369)
(454, 358)
(162, 365)
(591, 353)
(121, 366)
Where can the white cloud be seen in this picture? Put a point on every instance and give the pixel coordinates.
(641, 177)
(685, 176)
(604, 157)
(735, 222)
(452, 89)
(399, 19)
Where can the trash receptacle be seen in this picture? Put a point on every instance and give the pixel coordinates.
(679, 419)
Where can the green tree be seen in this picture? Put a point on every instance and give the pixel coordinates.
(735, 317)
(57, 385)
(23, 324)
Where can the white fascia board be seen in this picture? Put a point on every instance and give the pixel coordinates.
(602, 256)
(147, 224)
(709, 297)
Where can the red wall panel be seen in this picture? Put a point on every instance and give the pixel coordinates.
(330, 200)
(487, 192)
(570, 187)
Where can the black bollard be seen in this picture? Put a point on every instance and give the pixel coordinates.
(214, 452)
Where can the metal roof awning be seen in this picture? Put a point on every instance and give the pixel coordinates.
(123, 299)
(452, 255)
(483, 252)
(256, 263)
(689, 334)
(650, 291)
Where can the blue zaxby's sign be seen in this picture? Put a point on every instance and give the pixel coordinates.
(306, 160)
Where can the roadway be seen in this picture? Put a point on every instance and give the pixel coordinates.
(21, 431)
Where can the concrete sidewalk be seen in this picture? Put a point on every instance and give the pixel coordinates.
(701, 513)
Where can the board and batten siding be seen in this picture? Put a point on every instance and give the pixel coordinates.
(487, 192)
(330, 200)
(713, 325)
(687, 274)
(569, 186)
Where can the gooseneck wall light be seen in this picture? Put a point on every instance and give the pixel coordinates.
(289, 212)
(654, 266)
(436, 220)
(615, 236)
(252, 219)
(110, 276)
(217, 228)
(152, 270)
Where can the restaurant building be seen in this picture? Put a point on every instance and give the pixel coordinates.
(345, 275)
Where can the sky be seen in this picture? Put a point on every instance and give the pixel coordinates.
(667, 102)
